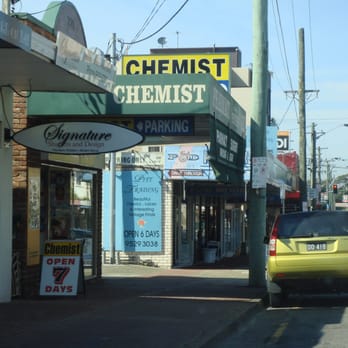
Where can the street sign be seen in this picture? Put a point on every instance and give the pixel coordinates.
(259, 172)
(168, 126)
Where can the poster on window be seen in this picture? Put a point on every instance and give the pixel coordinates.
(138, 211)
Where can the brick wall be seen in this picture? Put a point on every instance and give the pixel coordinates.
(29, 275)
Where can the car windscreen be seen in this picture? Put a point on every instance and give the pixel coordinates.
(321, 224)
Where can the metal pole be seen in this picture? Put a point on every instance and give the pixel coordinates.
(112, 207)
(113, 259)
(257, 197)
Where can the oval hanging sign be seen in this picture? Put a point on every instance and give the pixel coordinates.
(78, 138)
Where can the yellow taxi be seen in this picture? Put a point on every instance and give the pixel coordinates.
(307, 252)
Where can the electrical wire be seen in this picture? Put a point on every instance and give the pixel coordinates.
(48, 8)
(16, 92)
(283, 47)
(4, 109)
(294, 25)
(286, 111)
(3, 101)
(161, 28)
(148, 20)
(311, 42)
(283, 53)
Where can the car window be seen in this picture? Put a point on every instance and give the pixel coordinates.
(313, 225)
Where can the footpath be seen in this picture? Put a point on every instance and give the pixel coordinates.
(137, 306)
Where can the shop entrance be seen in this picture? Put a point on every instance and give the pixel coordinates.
(69, 209)
(183, 232)
(207, 227)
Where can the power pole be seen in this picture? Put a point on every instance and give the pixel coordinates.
(258, 197)
(6, 6)
(319, 164)
(302, 120)
(314, 164)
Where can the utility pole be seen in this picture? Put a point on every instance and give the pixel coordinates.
(314, 164)
(6, 6)
(302, 120)
(319, 166)
(329, 182)
(258, 197)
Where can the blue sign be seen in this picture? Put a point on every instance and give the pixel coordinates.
(164, 125)
(138, 211)
(188, 162)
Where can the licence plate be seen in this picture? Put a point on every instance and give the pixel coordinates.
(316, 246)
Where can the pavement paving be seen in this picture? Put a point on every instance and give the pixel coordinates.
(137, 306)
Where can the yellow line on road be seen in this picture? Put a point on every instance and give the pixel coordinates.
(278, 333)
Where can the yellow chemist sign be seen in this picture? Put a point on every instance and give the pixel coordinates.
(218, 65)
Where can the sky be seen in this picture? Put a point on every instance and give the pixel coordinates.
(229, 23)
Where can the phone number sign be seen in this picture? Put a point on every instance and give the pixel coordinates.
(139, 212)
(61, 268)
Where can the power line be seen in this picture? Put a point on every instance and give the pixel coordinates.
(311, 41)
(162, 27)
(283, 47)
(148, 20)
(48, 8)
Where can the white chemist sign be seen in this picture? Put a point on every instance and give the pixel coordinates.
(78, 138)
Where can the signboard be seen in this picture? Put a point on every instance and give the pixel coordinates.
(33, 230)
(61, 268)
(187, 162)
(259, 172)
(161, 92)
(75, 138)
(164, 126)
(15, 32)
(140, 158)
(139, 211)
(271, 139)
(283, 141)
(226, 146)
(215, 64)
(82, 62)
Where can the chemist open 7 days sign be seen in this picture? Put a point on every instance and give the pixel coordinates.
(61, 268)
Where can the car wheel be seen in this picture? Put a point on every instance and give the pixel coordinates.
(275, 299)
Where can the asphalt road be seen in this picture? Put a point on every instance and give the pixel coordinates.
(306, 321)
(135, 307)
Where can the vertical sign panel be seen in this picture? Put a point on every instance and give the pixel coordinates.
(33, 234)
(138, 211)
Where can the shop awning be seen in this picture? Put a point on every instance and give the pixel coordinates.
(30, 62)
